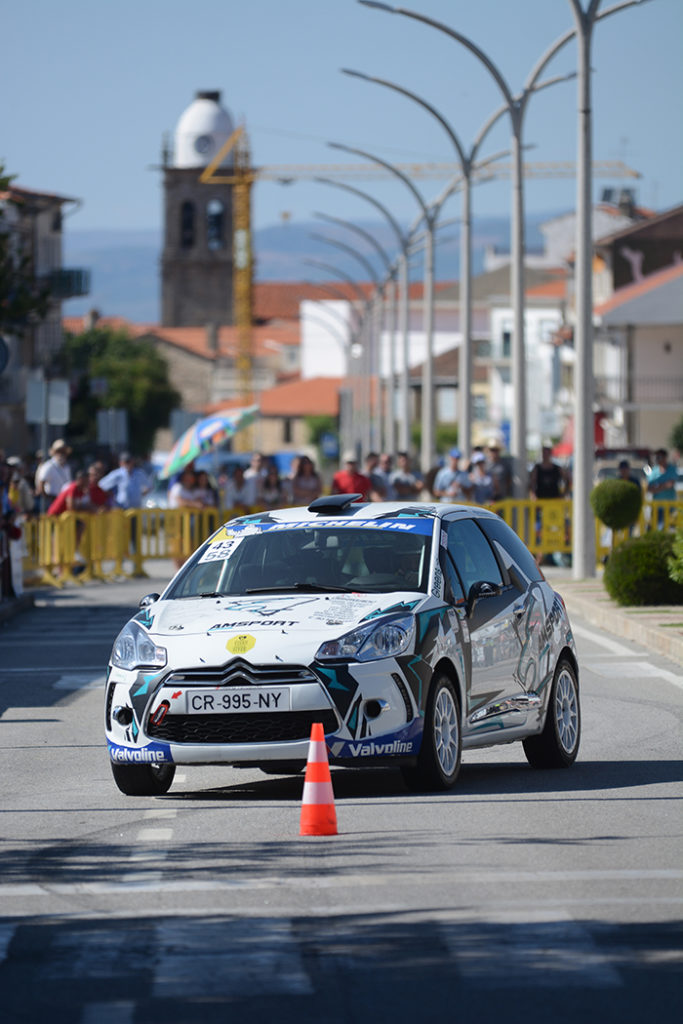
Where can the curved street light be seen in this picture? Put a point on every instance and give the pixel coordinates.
(516, 106)
(364, 335)
(469, 167)
(403, 242)
(369, 412)
(429, 215)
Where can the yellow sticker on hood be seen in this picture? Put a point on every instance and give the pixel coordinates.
(241, 643)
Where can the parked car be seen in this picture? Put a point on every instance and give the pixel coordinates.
(410, 631)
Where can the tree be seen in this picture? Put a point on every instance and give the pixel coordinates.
(130, 375)
(22, 298)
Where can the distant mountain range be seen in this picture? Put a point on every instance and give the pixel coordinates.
(125, 265)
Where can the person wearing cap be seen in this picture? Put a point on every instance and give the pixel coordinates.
(482, 485)
(499, 471)
(349, 480)
(55, 473)
(452, 483)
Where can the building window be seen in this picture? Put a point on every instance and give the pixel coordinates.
(287, 431)
(507, 342)
(480, 409)
(187, 225)
(215, 224)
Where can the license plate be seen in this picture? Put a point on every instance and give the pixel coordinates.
(237, 701)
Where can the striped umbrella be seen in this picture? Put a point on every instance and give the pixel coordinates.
(206, 435)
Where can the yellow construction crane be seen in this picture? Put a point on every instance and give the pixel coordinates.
(244, 175)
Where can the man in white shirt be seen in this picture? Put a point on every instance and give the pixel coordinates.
(53, 475)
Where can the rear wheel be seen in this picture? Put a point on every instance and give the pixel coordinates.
(558, 744)
(143, 779)
(438, 762)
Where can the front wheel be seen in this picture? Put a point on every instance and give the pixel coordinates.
(438, 762)
(558, 744)
(143, 779)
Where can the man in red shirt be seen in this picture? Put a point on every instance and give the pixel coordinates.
(349, 481)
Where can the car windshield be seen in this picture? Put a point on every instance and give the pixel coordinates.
(245, 560)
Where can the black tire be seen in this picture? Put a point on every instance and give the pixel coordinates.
(438, 762)
(558, 744)
(143, 779)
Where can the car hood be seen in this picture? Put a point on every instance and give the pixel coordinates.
(329, 614)
(283, 627)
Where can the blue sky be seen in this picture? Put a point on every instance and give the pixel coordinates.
(90, 88)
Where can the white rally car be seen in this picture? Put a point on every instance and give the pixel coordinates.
(409, 631)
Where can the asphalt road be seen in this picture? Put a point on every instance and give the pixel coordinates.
(519, 894)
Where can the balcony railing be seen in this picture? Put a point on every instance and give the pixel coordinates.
(68, 284)
(639, 390)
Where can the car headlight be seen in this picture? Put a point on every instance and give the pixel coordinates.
(367, 643)
(134, 649)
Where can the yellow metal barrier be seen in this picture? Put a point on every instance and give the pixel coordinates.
(115, 543)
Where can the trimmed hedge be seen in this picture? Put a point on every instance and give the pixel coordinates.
(616, 503)
(637, 571)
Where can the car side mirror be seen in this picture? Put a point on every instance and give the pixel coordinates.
(479, 590)
(147, 600)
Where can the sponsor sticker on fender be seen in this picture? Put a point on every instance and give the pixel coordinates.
(153, 753)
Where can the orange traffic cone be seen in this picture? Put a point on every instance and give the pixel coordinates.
(318, 816)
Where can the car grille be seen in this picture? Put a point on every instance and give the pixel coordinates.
(238, 672)
(241, 728)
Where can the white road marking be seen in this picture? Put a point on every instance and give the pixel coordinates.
(154, 835)
(540, 948)
(470, 878)
(613, 646)
(108, 1013)
(6, 933)
(192, 957)
(161, 812)
(79, 681)
(633, 670)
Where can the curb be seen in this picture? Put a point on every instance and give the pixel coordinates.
(631, 623)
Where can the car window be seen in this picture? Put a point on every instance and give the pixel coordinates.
(239, 560)
(510, 547)
(472, 553)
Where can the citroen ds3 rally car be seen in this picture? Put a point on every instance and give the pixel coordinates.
(410, 631)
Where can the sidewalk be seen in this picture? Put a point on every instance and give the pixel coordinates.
(660, 628)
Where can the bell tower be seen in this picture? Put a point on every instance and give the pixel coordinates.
(197, 257)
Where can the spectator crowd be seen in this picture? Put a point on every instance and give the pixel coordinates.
(54, 486)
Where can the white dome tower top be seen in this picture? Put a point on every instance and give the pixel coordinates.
(201, 131)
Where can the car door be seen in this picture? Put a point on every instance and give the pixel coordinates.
(491, 621)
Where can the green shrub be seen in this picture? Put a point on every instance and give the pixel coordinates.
(675, 563)
(616, 503)
(637, 572)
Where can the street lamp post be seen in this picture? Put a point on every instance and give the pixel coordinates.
(429, 216)
(360, 427)
(402, 274)
(389, 293)
(369, 409)
(516, 106)
(468, 167)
